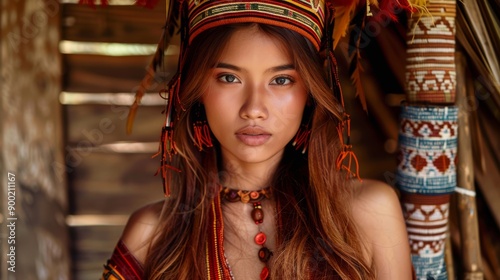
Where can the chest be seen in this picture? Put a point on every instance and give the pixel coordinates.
(249, 232)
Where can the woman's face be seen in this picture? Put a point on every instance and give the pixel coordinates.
(255, 98)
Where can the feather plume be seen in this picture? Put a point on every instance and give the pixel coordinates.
(356, 67)
(168, 32)
(355, 13)
(344, 12)
(147, 80)
(356, 80)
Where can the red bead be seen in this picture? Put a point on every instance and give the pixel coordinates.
(264, 254)
(260, 238)
(258, 215)
(254, 195)
(264, 274)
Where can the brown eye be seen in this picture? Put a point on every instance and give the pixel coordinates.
(227, 78)
(282, 81)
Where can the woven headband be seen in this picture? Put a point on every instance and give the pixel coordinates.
(305, 17)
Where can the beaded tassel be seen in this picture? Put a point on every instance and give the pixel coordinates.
(167, 145)
(344, 127)
(346, 153)
(202, 135)
(201, 131)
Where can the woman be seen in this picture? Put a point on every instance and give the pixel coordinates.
(259, 194)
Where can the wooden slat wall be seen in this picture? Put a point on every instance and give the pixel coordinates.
(116, 24)
(99, 73)
(86, 120)
(113, 183)
(103, 182)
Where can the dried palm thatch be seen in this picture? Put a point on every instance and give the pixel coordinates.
(478, 33)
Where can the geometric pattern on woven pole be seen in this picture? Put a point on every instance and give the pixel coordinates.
(426, 176)
(426, 173)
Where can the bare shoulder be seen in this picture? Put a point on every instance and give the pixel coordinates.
(140, 229)
(370, 195)
(378, 214)
(377, 211)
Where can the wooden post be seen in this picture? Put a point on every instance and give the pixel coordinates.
(448, 256)
(467, 212)
(34, 243)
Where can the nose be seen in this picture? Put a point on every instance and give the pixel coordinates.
(254, 106)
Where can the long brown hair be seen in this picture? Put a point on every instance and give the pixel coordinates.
(316, 235)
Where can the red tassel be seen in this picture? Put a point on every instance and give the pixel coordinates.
(202, 135)
(302, 138)
(346, 152)
(167, 144)
(166, 150)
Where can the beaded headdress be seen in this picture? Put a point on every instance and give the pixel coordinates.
(313, 19)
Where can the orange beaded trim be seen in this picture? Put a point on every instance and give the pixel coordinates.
(233, 195)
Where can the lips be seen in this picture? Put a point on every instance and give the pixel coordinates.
(253, 135)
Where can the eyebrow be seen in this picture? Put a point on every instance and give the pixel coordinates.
(272, 69)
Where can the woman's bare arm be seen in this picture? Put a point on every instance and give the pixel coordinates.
(377, 213)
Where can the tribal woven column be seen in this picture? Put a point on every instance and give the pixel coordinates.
(428, 135)
(426, 177)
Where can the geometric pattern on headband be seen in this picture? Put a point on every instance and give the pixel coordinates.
(305, 17)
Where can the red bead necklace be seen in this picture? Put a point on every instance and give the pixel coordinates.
(257, 215)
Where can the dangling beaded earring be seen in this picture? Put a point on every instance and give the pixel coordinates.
(201, 131)
(302, 138)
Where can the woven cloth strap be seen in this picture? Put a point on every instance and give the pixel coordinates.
(122, 265)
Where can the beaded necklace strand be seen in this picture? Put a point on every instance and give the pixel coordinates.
(257, 214)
